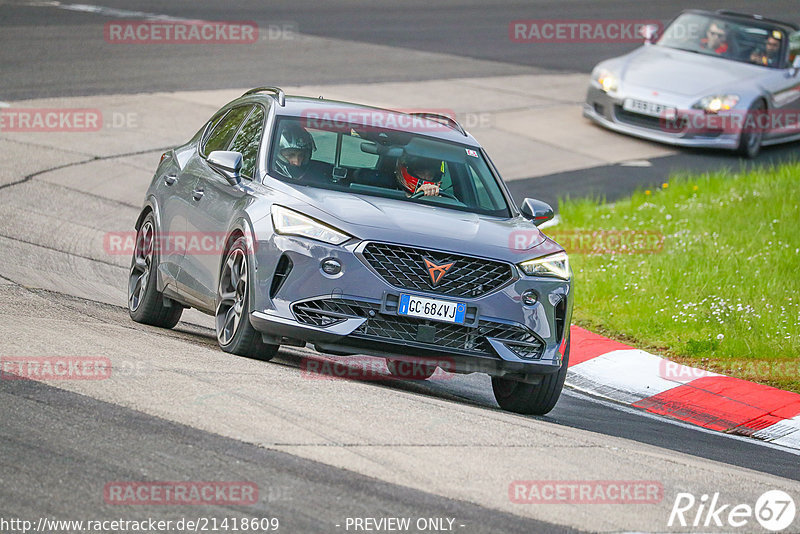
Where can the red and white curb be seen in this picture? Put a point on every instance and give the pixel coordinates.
(610, 369)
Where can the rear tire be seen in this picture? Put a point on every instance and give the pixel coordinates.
(145, 304)
(751, 136)
(531, 399)
(235, 334)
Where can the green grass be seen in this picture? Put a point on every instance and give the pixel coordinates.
(723, 293)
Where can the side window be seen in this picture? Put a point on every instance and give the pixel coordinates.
(248, 140)
(225, 130)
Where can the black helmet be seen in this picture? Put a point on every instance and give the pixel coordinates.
(294, 137)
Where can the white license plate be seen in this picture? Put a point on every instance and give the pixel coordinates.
(434, 309)
(649, 108)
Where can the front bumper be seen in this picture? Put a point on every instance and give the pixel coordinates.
(691, 128)
(355, 312)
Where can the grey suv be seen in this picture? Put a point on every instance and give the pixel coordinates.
(360, 230)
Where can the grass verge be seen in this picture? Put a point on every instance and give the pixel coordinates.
(720, 290)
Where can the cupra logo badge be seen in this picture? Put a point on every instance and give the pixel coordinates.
(437, 272)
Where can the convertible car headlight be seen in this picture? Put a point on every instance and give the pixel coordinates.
(716, 103)
(556, 265)
(607, 81)
(290, 222)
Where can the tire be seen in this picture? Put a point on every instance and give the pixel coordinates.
(750, 141)
(531, 399)
(410, 370)
(235, 334)
(145, 304)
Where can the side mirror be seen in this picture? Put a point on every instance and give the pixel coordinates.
(228, 164)
(649, 32)
(536, 211)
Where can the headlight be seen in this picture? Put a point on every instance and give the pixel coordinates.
(607, 81)
(290, 222)
(556, 265)
(716, 103)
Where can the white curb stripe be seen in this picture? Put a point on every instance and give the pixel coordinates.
(630, 375)
(786, 433)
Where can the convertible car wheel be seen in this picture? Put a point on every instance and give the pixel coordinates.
(145, 304)
(235, 334)
(750, 139)
(531, 399)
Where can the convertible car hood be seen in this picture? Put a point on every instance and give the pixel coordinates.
(683, 73)
(427, 225)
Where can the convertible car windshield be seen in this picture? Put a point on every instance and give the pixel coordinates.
(756, 42)
(380, 161)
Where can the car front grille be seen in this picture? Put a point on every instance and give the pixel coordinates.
(405, 268)
(641, 120)
(434, 335)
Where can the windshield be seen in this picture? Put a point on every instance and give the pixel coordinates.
(369, 160)
(759, 43)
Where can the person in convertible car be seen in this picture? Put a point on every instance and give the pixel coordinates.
(716, 38)
(769, 55)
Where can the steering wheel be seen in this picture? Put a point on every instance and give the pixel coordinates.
(420, 194)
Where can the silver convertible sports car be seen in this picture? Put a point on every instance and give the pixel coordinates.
(359, 230)
(716, 80)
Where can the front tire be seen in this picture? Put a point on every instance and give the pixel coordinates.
(752, 135)
(145, 304)
(235, 334)
(531, 399)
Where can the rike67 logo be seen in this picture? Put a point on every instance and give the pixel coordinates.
(774, 510)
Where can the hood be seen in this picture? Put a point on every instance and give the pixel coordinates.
(373, 218)
(683, 73)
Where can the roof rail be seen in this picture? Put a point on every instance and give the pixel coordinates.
(277, 91)
(444, 119)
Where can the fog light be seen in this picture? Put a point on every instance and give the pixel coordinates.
(331, 266)
(529, 297)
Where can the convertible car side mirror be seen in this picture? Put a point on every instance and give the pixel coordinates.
(796, 65)
(536, 211)
(228, 164)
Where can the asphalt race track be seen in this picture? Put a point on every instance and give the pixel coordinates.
(319, 451)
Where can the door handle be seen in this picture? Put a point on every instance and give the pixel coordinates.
(197, 194)
(170, 179)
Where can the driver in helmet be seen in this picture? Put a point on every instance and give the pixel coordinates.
(293, 159)
(416, 174)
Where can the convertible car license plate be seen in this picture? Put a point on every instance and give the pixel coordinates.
(434, 309)
(648, 108)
